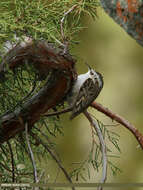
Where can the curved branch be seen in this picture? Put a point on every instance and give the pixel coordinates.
(44, 58)
(120, 120)
(96, 127)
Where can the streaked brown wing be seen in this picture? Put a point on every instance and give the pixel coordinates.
(87, 94)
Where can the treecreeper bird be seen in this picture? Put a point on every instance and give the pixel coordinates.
(85, 90)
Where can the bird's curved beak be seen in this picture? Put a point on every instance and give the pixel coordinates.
(89, 68)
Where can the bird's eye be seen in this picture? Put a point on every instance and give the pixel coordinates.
(91, 72)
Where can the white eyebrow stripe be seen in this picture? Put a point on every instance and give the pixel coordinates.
(97, 76)
(99, 79)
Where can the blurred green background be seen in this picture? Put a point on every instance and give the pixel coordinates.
(112, 52)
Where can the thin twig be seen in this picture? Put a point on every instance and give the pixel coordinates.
(31, 155)
(66, 43)
(120, 120)
(41, 175)
(57, 175)
(44, 135)
(6, 167)
(53, 156)
(12, 161)
(58, 112)
(49, 141)
(4, 150)
(17, 173)
(62, 20)
(47, 128)
(103, 146)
